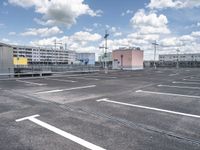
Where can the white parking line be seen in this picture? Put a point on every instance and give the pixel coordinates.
(180, 87)
(191, 80)
(60, 80)
(169, 94)
(69, 89)
(173, 74)
(149, 108)
(61, 133)
(84, 78)
(33, 83)
(174, 82)
(103, 77)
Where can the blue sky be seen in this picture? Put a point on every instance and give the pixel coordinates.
(175, 24)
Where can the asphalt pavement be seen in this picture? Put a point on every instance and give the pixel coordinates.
(122, 110)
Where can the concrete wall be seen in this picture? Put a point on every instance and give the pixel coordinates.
(6, 59)
(129, 59)
(137, 59)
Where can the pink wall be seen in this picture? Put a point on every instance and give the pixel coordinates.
(127, 57)
(132, 59)
(137, 60)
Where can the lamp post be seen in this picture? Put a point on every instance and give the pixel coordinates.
(106, 47)
(177, 63)
(105, 54)
(155, 46)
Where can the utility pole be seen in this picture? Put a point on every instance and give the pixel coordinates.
(155, 44)
(106, 47)
(105, 52)
(177, 63)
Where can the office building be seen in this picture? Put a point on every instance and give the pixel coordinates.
(180, 57)
(40, 55)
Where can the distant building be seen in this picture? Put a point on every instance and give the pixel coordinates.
(85, 58)
(104, 58)
(180, 57)
(181, 60)
(6, 59)
(71, 57)
(128, 58)
(40, 55)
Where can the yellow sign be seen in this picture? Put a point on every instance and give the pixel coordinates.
(20, 61)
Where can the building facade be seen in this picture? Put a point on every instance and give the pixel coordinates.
(179, 57)
(85, 58)
(39, 55)
(6, 59)
(128, 58)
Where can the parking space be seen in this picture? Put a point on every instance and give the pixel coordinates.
(147, 109)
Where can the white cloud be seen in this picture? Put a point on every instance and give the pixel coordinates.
(196, 34)
(58, 12)
(161, 4)
(5, 40)
(150, 23)
(42, 32)
(187, 38)
(97, 25)
(88, 29)
(198, 24)
(127, 12)
(12, 33)
(77, 41)
(117, 34)
(85, 36)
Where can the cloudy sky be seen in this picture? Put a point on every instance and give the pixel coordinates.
(80, 24)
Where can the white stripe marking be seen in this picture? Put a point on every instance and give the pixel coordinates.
(103, 77)
(149, 108)
(61, 133)
(84, 78)
(61, 90)
(169, 94)
(191, 80)
(60, 80)
(180, 87)
(173, 74)
(186, 82)
(28, 82)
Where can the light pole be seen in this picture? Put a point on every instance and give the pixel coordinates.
(105, 54)
(102, 57)
(106, 47)
(155, 46)
(177, 63)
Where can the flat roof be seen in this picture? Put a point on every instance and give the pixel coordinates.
(4, 44)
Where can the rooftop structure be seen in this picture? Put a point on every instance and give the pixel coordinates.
(128, 58)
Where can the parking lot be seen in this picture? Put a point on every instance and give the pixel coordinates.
(122, 110)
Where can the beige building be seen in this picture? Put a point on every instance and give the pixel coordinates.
(128, 58)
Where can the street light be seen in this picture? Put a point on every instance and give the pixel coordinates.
(105, 47)
(177, 63)
(155, 45)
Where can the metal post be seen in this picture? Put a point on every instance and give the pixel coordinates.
(177, 63)
(106, 47)
(155, 44)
